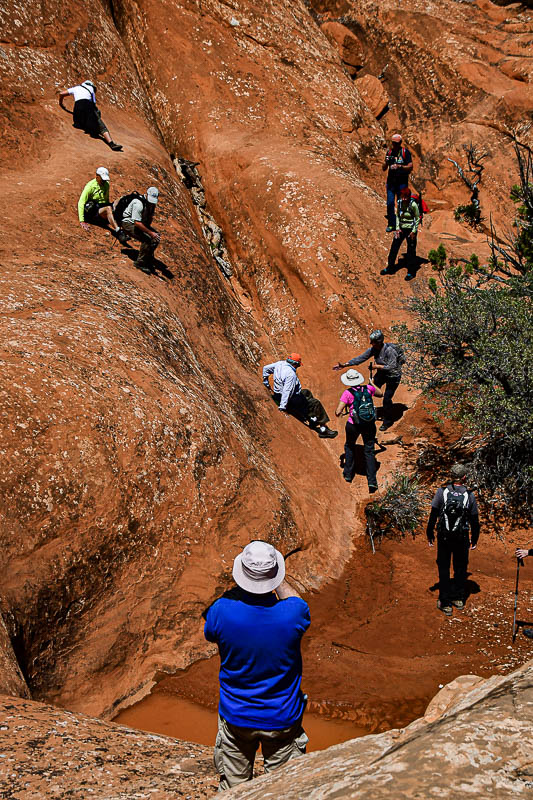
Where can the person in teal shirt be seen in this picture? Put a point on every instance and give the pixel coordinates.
(407, 221)
(94, 205)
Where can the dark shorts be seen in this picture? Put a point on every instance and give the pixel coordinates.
(91, 210)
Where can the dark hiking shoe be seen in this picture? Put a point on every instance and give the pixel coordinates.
(121, 235)
(143, 268)
(458, 603)
(327, 434)
(528, 632)
(372, 487)
(347, 478)
(389, 228)
(448, 610)
(385, 426)
(409, 276)
(386, 271)
(114, 146)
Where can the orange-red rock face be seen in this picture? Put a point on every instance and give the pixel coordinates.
(140, 450)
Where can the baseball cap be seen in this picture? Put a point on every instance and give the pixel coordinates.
(296, 357)
(152, 194)
(103, 172)
(396, 137)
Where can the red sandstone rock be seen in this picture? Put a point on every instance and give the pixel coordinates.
(373, 93)
(348, 45)
(48, 752)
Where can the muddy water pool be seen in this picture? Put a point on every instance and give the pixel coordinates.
(172, 715)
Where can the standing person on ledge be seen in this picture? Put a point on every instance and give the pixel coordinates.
(258, 627)
(407, 221)
(399, 164)
(523, 553)
(454, 510)
(356, 401)
(388, 361)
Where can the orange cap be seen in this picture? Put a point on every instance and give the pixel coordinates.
(296, 357)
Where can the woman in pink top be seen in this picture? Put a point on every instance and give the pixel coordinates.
(363, 423)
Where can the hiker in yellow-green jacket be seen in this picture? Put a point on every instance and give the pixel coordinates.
(407, 221)
(94, 206)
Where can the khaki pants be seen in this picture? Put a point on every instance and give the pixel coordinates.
(235, 750)
(148, 245)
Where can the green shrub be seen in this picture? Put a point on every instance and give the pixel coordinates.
(399, 511)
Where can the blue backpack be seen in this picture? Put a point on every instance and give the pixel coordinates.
(363, 406)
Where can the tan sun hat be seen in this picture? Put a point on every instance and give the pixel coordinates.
(259, 569)
(352, 378)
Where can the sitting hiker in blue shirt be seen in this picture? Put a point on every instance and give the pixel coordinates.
(292, 399)
(258, 627)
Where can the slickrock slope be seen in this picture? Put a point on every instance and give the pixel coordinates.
(51, 753)
(139, 448)
(481, 747)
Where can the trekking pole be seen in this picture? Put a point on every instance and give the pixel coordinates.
(371, 369)
(519, 563)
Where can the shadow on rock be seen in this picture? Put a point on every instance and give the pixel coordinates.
(157, 264)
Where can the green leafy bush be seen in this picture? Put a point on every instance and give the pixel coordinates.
(399, 511)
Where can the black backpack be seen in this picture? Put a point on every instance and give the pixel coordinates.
(123, 203)
(363, 406)
(453, 519)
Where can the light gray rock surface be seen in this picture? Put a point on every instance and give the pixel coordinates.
(482, 747)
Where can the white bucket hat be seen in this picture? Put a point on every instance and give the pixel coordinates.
(259, 569)
(352, 378)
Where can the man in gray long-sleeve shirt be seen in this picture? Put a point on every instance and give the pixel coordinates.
(291, 398)
(388, 363)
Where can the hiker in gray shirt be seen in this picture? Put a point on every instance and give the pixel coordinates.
(137, 222)
(388, 360)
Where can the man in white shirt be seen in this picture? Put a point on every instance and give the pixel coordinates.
(292, 399)
(86, 113)
(137, 222)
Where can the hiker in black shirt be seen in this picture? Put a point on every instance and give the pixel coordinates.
(454, 509)
(398, 163)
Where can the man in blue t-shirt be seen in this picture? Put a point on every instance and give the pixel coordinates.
(258, 627)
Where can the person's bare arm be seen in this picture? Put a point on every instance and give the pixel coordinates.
(284, 591)
(521, 553)
(340, 410)
(378, 392)
(61, 96)
(147, 230)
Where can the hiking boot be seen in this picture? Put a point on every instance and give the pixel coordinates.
(121, 235)
(389, 228)
(114, 146)
(372, 487)
(347, 478)
(448, 610)
(385, 426)
(458, 603)
(143, 267)
(313, 423)
(386, 271)
(528, 632)
(326, 433)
